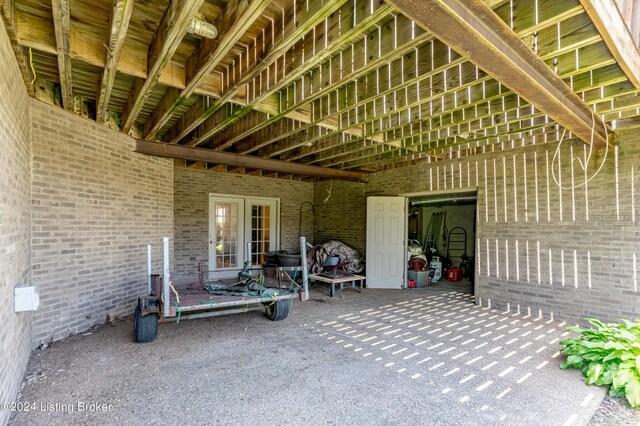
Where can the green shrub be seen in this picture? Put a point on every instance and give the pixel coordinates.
(608, 355)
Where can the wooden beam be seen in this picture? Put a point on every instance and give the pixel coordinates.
(615, 33)
(237, 160)
(238, 17)
(7, 12)
(62, 25)
(476, 32)
(37, 33)
(172, 28)
(119, 23)
(305, 20)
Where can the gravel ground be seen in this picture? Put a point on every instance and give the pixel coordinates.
(380, 357)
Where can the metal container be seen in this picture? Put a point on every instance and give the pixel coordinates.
(289, 259)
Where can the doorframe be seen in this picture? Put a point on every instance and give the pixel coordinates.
(452, 191)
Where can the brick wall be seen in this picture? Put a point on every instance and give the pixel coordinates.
(96, 206)
(558, 253)
(192, 189)
(15, 214)
(341, 216)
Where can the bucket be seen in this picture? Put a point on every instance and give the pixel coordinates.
(411, 283)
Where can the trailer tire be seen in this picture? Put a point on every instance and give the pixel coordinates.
(278, 310)
(145, 328)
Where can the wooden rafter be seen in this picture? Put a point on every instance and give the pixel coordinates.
(292, 32)
(237, 160)
(475, 31)
(119, 23)
(513, 117)
(32, 32)
(403, 39)
(409, 84)
(332, 47)
(62, 26)
(7, 12)
(238, 17)
(496, 100)
(172, 28)
(615, 33)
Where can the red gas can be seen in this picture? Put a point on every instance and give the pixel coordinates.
(411, 283)
(454, 274)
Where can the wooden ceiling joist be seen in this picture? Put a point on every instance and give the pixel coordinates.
(172, 28)
(8, 15)
(62, 26)
(119, 24)
(292, 31)
(475, 31)
(32, 32)
(359, 22)
(388, 44)
(415, 86)
(237, 160)
(614, 31)
(238, 17)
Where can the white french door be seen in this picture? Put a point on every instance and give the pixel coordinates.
(238, 225)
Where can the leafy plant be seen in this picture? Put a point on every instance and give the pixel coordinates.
(607, 355)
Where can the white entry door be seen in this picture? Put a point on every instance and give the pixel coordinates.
(385, 242)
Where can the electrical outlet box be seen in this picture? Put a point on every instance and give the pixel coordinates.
(26, 298)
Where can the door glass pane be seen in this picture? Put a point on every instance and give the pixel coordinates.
(226, 220)
(260, 235)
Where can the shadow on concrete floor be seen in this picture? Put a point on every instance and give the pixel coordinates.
(405, 357)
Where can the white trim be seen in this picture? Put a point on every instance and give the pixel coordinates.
(244, 218)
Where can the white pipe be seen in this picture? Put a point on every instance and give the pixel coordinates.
(249, 255)
(167, 276)
(200, 27)
(149, 270)
(305, 272)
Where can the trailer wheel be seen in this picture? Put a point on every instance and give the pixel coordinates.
(278, 310)
(145, 328)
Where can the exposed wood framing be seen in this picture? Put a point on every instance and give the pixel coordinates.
(32, 32)
(360, 89)
(498, 106)
(416, 83)
(62, 26)
(119, 24)
(237, 160)
(239, 15)
(630, 11)
(615, 33)
(389, 43)
(292, 31)
(475, 31)
(7, 12)
(168, 36)
(514, 118)
(328, 47)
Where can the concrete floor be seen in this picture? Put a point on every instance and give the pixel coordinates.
(423, 356)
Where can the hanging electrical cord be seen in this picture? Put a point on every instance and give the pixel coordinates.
(33, 70)
(584, 164)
